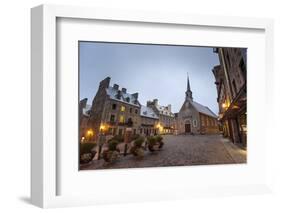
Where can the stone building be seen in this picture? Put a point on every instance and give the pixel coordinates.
(114, 109)
(85, 133)
(231, 78)
(166, 123)
(149, 121)
(194, 118)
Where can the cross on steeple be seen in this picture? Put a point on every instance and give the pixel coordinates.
(188, 93)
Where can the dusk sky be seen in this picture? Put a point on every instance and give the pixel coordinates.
(154, 71)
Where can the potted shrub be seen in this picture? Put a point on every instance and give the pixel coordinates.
(151, 140)
(112, 153)
(137, 148)
(87, 152)
(134, 137)
(159, 140)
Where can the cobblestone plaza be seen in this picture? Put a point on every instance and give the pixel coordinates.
(181, 150)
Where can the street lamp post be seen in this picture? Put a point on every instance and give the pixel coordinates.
(127, 135)
(101, 141)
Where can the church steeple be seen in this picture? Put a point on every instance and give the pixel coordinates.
(188, 93)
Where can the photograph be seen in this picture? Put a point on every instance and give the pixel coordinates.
(159, 105)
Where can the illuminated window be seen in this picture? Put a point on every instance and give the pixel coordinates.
(123, 109)
(122, 119)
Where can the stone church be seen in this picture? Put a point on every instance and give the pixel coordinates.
(194, 118)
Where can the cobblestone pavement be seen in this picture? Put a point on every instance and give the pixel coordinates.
(180, 150)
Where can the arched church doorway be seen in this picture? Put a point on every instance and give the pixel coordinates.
(187, 128)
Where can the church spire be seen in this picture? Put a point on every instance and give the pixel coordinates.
(188, 93)
(188, 84)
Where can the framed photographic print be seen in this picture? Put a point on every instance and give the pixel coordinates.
(136, 102)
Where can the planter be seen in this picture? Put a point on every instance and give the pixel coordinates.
(110, 156)
(137, 148)
(86, 158)
(137, 151)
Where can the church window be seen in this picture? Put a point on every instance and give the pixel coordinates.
(194, 123)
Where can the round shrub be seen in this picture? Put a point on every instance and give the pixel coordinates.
(136, 136)
(158, 138)
(112, 145)
(86, 148)
(139, 141)
(110, 156)
(151, 140)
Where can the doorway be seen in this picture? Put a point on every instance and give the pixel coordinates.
(187, 128)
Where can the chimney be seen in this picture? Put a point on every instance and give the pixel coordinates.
(124, 90)
(169, 107)
(105, 83)
(155, 102)
(115, 86)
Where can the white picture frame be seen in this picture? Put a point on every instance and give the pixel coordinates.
(44, 83)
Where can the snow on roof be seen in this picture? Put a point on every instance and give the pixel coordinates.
(203, 109)
(124, 97)
(86, 110)
(148, 112)
(164, 110)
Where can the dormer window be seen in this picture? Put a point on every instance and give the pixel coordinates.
(128, 99)
(118, 95)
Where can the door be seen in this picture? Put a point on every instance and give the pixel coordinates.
(187, 128)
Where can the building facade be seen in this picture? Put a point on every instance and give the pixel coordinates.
(114, 109)
(231, 79)
(166, 123)
(149, 122)
(194, 118)
(85, 133)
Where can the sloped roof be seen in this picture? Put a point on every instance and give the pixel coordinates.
(203, 109)
(148, 112)
(125, 97)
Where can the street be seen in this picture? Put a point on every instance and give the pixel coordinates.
(181, 150)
